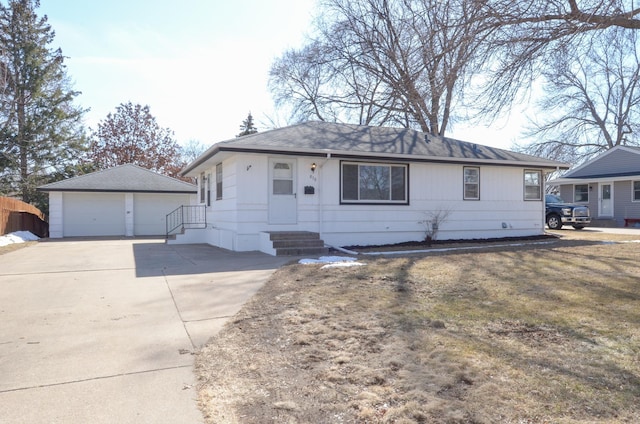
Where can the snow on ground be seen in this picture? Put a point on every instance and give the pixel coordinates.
(17, 237)
(332, 261)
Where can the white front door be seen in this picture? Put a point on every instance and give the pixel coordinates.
(282, 192)
(606, 200)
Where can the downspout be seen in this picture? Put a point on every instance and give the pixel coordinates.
(320, 194)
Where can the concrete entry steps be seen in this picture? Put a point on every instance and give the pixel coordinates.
(297, 243)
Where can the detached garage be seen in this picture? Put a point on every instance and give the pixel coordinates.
(123, 201)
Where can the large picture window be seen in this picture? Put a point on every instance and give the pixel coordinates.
(374, 183)
(471, 183)
(636, 191)
(532, 185)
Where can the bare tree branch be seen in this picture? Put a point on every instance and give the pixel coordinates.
(383, 62)
(592, 100)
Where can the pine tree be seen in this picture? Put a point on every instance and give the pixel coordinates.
(41, 132)
(247, 126)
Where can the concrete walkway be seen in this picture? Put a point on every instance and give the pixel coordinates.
(617, 230)
(103, 331)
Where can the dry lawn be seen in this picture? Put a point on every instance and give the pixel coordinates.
(15, 246)
(532, 334)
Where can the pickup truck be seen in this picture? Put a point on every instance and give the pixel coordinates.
(558, 213)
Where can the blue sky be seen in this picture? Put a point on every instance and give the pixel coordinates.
(201, 65)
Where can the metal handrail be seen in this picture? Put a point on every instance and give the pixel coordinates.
(186, 216)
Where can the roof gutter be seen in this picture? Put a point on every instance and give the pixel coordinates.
(101, 190)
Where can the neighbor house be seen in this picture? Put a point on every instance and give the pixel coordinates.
(358, 185)
(125, 200)
(609, 184)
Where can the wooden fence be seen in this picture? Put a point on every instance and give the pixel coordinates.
(16, 215)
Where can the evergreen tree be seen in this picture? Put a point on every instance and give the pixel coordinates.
(247, 126)
(41, 132)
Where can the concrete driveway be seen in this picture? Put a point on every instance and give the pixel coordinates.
(103, 331)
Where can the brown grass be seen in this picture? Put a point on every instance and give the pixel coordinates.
(545, 333)
(15, 246)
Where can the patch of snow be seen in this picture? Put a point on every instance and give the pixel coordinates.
(17, 237)
(342, 265)
(327, 259)
(332, 261)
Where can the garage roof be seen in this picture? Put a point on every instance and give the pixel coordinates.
(123, 178)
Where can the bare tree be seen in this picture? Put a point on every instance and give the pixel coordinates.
(192, 150)
(591, 100)
(425, 64)
(382, 62)
(559, 18)
(295, 82)
(526, 34)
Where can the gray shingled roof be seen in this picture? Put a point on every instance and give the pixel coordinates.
(123, 178)
(344, 140)
(619, 162)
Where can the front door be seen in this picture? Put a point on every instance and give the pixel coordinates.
(606, 200)
(282, 192)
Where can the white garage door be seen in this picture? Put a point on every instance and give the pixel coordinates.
(93, 214)
(150, 211)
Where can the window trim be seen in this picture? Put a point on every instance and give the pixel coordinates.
(540, 185)
(464, 183)
(574, 193)
(389, 165)
(219, 179)
(633, 191)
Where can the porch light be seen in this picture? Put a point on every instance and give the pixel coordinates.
(313, 167)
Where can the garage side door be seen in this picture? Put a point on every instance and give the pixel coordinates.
(93, 214)
(150, 210)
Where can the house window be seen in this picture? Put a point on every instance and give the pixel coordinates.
(208, 189)
(532, 185)
(471, 183)
(636, 191)
(581, 193)
(374, 183)
(202, 188)
(219, 181)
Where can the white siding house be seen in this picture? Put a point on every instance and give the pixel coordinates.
(358, 185)
(123, 201)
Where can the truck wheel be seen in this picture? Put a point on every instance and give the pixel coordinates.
(578, 227)
(554, 222)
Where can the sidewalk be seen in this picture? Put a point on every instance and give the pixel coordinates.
(618, 230)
